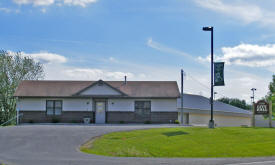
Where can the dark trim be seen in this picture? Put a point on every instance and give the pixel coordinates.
(99, 82)
(100, 99)
(20, 97)
(163, 111)
(93, 96)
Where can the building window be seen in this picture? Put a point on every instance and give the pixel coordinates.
(54, 107)
(143, 108)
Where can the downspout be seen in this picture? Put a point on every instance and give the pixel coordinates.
(17, 111)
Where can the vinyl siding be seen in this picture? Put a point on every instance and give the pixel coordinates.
(39, 104)
(121, 105)
(33, 104)
(100, 90)
(164, 105)
(157, 105)
(220, 120)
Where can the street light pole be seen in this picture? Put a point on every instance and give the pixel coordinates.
(253, 107)
(211, 122)
(181, 97)
(253, 94)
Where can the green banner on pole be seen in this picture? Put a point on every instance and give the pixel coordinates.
(219, 74)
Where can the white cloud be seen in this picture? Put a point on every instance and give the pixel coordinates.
(163, 48)
(9, 10)
(112, 59)
(43, 10)
(35, 2)
(95, 74)
(82, 3)
(44, 57)
(245, 12)
(6, 10)
(247, 55)
(237, 84)
(65, 72)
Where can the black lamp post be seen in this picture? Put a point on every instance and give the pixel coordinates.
(253, 94)
(211, 122)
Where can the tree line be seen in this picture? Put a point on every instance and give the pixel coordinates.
(13, 69)
(242, 103)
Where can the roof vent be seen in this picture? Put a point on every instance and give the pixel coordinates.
(100, 83)
(125, 79)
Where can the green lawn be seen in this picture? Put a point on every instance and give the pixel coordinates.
(186, 142)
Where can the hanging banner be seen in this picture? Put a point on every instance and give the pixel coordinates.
(218, 74)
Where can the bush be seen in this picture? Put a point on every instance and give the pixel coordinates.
(55, 120)
(147, 122)
(177, 122)
(31, 121)
(121, 122)
(75, 121)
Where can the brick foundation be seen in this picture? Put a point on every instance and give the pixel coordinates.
(131, 117)
(65, 117)
(111, 117)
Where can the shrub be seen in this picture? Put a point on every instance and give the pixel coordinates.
(121, 122)
(31, 121)
(177, 122)
(55, 120)
(147, 122)
(75, 121)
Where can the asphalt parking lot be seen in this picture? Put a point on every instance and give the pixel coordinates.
(58, 145)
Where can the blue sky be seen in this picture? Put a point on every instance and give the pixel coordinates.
(146, 40)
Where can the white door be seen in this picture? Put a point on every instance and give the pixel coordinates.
(100, 112)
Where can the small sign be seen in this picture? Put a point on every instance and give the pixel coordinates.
(219, 74)
(261, 108)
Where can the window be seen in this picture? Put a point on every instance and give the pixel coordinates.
(143, 108)
(54, 107)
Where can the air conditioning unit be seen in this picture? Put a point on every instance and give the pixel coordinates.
(87, 120)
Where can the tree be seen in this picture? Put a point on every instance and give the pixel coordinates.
(13, 69)
(271, 94)
(235, 102)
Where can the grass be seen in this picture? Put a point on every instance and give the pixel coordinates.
(185, 142)
(7, 126)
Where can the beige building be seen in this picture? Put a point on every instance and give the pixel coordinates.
(98, 101)
(118, 102)
(197, 112)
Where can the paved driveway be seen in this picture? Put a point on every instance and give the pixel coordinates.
(58, 145)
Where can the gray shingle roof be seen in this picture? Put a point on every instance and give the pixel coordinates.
(202, 103)
(165, 89)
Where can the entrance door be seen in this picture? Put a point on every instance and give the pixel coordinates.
(100, 112)
(187, 119)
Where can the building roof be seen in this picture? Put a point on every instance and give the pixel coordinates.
(202, 103)
(38, 88)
